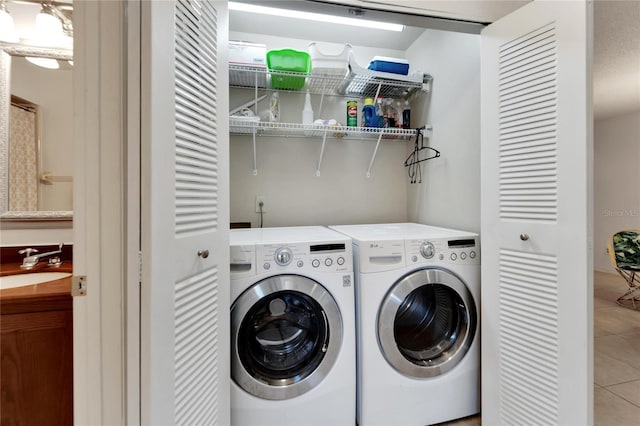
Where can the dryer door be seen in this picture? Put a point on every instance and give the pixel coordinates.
(426, 323)
(286, 333)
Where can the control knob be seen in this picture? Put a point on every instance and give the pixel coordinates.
(283, 256)
(427, 250)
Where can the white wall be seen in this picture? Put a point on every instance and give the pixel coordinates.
(616, 181)
(52, 91)
(34, 235)
(449, 195)
(286, 166)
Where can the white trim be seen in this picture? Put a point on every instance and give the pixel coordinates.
(134, 257)
(37, 215)
(15, 49)
(6, 51)
(99, 193)
(5, 77)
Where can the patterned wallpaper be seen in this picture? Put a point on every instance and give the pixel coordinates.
(23, 151)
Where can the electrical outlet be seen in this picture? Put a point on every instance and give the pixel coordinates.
(260, 199)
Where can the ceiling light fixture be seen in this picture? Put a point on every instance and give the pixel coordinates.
(48, 25)
(7, 28)
(246, 7)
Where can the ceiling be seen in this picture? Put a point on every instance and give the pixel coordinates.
(616, 58)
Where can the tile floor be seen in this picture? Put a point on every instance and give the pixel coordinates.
(616, 357)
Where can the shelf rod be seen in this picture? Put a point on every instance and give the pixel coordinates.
(255, 96)
(375, 152)
(255, 162)
(324, 142)
(321, 102)
(377, 92)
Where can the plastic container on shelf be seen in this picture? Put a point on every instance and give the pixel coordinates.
(291, 61)
(406, 116)
(365, 83)
(400, 112)
(392, 65)
(247, 54)
(369, 117)
(390, 113)
(274, 108)
(329, 65)
(250, 64)
(379, 112)
(352, 113)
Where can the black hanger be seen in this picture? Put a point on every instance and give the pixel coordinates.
(417, 156)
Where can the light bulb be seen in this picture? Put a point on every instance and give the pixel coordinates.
(48, 26)
(66, 42)
(7, 28)
(48, 63)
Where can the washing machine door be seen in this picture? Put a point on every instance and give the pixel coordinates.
(286, 333)
(426, 323)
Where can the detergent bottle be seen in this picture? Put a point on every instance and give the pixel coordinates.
(369, 117)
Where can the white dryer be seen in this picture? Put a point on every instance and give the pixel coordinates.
(292, 327)
(417, 305)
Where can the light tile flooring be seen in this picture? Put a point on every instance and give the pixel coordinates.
(616, 356)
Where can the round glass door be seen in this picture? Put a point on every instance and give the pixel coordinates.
(286, 334)
(426, 323)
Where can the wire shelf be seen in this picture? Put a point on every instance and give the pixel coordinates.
(248, 77)
(354, 82)
(242, 126)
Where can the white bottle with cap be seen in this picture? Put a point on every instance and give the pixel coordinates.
(307, 111)
(274, 108)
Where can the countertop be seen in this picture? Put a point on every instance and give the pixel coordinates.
(52, 295)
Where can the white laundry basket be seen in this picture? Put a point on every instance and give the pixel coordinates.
(329, 65)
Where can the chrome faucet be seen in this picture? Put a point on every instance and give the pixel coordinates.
(31, 260)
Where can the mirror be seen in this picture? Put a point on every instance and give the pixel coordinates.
(48, 133)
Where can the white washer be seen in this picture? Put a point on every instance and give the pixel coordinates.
(417, 305)
(292, 327)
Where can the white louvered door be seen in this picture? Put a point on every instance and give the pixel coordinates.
(185, 219)
(537, 285)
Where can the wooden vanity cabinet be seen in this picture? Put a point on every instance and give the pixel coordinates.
(37, 359)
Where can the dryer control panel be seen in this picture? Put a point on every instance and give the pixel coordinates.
(298, 257)
(463, 251)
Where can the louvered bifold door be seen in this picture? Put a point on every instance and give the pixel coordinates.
(185, 205)
(536, 217)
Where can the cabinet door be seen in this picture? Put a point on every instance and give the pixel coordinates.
(537, 272)
(185, 213)
(37, 368)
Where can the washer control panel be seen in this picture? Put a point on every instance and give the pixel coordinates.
(283, 256)
(323, 257)
(242, 260)
(443, 250)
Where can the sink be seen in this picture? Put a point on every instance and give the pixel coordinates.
(20, 280)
